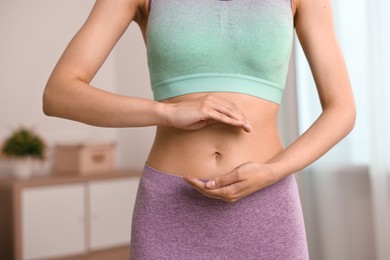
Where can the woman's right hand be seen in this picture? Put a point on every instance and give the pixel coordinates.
(203, 111)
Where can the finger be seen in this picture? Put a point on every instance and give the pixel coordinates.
(196, 183)
(226, 193)
(225, 180)
(231, 110)
(226, 110)
(234, 113)
(220, 117)
(200, 187)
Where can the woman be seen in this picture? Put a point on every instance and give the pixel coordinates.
(218, 182)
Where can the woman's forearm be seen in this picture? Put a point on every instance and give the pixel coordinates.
(330, 128)
(76, 100)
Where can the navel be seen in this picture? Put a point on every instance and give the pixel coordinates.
(217, 155)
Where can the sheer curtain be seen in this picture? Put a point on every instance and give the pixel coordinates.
(379, 35)
(347, 192)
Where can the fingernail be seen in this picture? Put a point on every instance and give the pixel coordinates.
(211, 184)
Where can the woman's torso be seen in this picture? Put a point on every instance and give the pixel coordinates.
(218, 148)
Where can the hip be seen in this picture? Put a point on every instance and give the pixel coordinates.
(172, 220)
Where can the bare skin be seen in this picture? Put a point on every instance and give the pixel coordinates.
(229, 138)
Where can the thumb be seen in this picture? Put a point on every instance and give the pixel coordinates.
(224, 180)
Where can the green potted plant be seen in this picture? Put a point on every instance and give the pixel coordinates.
(23, 147)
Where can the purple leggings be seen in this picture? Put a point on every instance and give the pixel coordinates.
(172, 220)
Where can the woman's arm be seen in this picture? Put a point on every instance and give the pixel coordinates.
(315, 30)
(68, 93)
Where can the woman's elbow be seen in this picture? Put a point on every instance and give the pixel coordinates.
(350, 115)
(344, 113)
(48, 103)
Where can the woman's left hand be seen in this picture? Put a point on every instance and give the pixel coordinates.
(240, 182)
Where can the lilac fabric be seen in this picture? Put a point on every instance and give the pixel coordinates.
(172, 220)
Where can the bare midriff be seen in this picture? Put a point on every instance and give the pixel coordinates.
(218, 148)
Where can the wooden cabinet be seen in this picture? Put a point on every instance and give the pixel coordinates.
(53, 221)
(67, 217)
(108, 219)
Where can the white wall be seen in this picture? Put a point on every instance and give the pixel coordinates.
(34, 34)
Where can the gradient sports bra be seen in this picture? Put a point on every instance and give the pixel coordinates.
(241, 46)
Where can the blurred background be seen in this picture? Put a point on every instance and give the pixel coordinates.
(345, 195)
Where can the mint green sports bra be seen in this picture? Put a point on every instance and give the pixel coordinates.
(241, 46)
